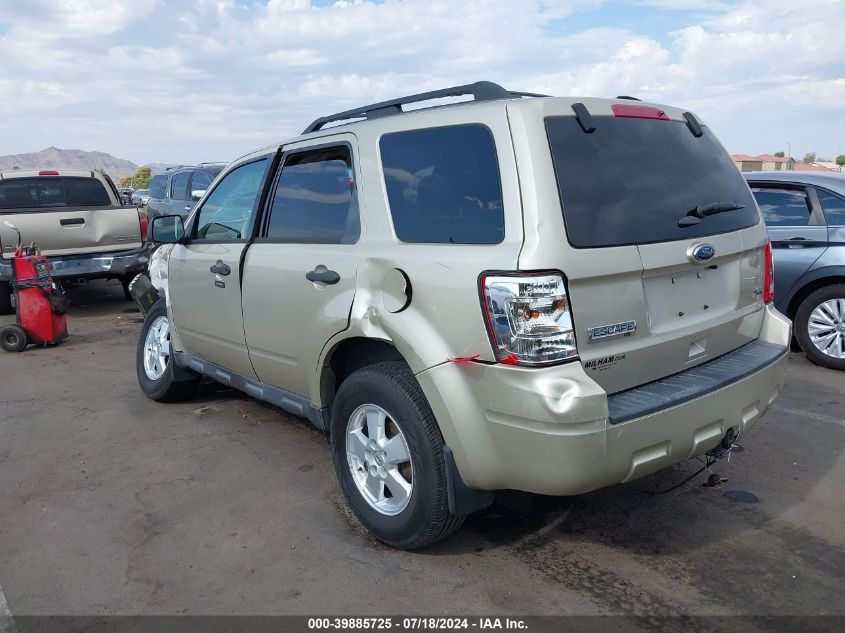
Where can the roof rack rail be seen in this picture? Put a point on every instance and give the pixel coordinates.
(480, 90)
(630, 98)
(213, 162)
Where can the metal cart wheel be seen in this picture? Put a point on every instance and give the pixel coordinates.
(13, 338)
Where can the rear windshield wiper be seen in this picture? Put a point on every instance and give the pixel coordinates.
(696, 215)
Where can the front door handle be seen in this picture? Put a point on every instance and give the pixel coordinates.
(326, 276)
(220, 268)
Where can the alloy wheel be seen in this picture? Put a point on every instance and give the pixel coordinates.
(157, 348)
(379, 459)
(826, 327)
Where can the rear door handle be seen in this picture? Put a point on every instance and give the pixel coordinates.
(327, 276)
(187, 207)
(71, 221)
(220, 268)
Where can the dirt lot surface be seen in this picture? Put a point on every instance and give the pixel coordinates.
(113, 504)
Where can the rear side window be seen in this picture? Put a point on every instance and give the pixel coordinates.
(631, 180)
(201, 181)
(157, 186)
(21, 193)
(443, 185)
(315, 200)
(783, 207)
(834, 208)
(179, 186)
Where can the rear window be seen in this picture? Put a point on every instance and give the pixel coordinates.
(27, 193)
(157, 186)
(631, 180)
(443, 185)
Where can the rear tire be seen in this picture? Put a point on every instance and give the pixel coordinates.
(13, 338)
(388, 456)
(158, 376)
(820, 326)
(6, 298)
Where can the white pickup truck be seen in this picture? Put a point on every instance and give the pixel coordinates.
(75, 217)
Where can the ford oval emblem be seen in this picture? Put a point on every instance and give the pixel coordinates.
(702, 253)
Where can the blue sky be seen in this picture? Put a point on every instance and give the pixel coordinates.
(192, 80)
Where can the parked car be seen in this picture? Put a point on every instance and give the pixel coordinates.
(805, 215)
(516, 292)
(141, 197)
(176, 191)
(125, 195)
(76, 218)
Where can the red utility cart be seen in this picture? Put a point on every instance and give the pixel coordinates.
(41, 306)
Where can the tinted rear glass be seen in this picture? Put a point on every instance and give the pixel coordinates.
(443, 185)
(22, 193)
(631, 180)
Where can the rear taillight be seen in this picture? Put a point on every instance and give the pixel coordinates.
(143, 221)
(528, 317)
(768, 274)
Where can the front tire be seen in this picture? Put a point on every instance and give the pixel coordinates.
(388, 456)
(158, 376)
(820, 326)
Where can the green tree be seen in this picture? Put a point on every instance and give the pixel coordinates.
(142, 178)
(139, 180)
(810, 157)
(779, 154)
(840, 160)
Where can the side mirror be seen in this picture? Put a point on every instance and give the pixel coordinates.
(196, 194)
(167, 229)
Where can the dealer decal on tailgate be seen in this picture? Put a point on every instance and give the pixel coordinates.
(603, 363)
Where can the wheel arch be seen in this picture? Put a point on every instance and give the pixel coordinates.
(348, 355)
(810, 283)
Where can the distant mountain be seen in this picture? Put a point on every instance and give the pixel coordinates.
(54, 158)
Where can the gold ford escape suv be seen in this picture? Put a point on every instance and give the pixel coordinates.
(515, 291)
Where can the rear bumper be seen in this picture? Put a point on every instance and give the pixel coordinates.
(93, 266)
(555, 431)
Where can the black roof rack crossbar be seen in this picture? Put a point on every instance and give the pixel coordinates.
(480, 90)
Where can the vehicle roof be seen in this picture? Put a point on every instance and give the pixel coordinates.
(33, 173)
(831, 180)
(438, 115)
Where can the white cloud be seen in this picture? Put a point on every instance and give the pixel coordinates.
(195, 80)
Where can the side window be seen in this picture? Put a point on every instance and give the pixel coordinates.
(157, 186)
(783, 207)
(315, 200)
(443, 185)
(834, 208)
(199, 182)
(227, 211)
(179, 186)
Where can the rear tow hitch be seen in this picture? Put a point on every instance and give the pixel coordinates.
(722, 450)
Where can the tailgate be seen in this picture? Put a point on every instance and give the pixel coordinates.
(72, 231)
(627, 177)
(676, 313)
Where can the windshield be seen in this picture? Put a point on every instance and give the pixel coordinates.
(631, 180)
